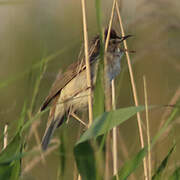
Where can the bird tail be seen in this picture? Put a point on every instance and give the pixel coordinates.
(50, 131)
(48, 134)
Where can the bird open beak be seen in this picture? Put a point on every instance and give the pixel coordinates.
(121, 39)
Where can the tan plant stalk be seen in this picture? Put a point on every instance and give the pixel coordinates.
(5, 136)
(108, 90)
(78, 119)
(79, 177)
(148, 130)
(88, 70)
(115, 170)
(115, 155)
(109, 27)
(112, 101)
(133, 88)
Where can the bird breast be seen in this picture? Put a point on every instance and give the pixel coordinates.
(113, 64)
(75, 93)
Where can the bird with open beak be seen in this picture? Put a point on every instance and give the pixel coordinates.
(70, 91)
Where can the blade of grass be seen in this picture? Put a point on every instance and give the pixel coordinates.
(158, 174)
(35, 117)
(98, 105)
(85, 160)
(173, 115)
(22, 117)
(102, 124)
(62, 157)
(175, 175)
(9, 168)
(131, 165)
(42, 69)
(99, 95)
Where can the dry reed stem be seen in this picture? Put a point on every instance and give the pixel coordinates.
(79, 177)
(115, 155)
(78, 119)
(148, 129)
(113, 103)
(5, 142)
(88, 70)
(109, 27)
(36, 160)
(133, 88)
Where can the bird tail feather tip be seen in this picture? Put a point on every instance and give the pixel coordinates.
(55, 123)
(48, 134)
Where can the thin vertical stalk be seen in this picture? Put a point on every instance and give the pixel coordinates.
(5, 136)
(110, 25)
(148, 130)
(114, 150)
(88, 71)
(79, 177)
(133, 88)
(108, 90)
(113, 98)
(110, 87)
(115, 155)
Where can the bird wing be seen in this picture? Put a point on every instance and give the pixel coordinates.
(72, 71)
(62, 80)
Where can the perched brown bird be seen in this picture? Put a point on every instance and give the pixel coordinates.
(70, 90)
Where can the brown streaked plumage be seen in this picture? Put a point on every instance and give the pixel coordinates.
(70, 89)
(72, 71)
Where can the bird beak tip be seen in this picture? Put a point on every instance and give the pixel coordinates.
(127, 36)
(123, 38)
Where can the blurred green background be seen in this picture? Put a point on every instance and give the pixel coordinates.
(31, 30)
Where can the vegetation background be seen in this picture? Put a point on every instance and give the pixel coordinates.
(32, 30)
